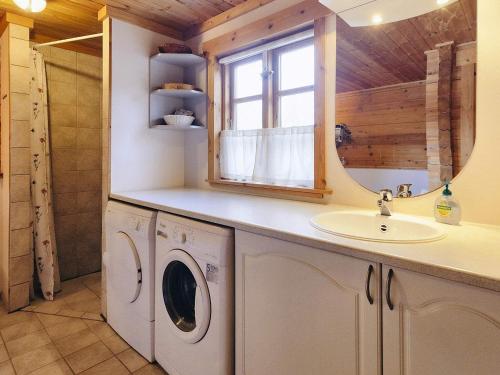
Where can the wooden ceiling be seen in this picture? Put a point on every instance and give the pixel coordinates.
(69, 18)
(393, 53)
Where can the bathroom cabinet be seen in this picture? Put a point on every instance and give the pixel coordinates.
(439, 327)
(303, 311)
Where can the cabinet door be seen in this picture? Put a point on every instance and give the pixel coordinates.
(302, 311)
(439, 327)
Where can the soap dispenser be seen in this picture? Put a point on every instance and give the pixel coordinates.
(447, 209)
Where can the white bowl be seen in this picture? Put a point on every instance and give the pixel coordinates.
(178, 120)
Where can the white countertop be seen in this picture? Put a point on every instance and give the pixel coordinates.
(470, 253)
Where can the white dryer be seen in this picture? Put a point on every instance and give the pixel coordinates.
(194, 304)
(129, 260)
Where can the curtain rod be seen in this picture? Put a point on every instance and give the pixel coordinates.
(69, 40)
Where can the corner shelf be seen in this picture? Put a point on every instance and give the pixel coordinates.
(179, 59)
(176, 127)
(184, 94)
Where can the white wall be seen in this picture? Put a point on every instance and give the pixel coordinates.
(476, 187)
(141, 158)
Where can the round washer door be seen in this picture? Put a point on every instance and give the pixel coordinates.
(124, 269)
(186, 296)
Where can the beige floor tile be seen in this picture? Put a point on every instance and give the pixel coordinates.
(91, 305)
(4, 356)
(52, 320)
(59, 331)
(59, 367)
(101, 329)
(92, 316)
(70, 313)
(92, 278)
(7, 320)
(72, 343)
(6, 368)
(27, 343)
(50, 307)
(132, 360)
(110, 367)
(116, 344)
(21, 329)
(80, 296)
(35, 359)
(88, 357)
(151, 369)
(95, 288)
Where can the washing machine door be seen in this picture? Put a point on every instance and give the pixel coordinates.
(186, 296)
(124, 269)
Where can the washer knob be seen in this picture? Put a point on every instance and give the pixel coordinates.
(183, 238)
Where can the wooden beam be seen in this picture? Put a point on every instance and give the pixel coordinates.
(16, 20)
(320, 104)
(438, 114)
(266, 28)
(228, 15)
(112, 12)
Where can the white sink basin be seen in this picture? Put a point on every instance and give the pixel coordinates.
(371, 226)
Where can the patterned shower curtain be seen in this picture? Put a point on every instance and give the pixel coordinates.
(44, 239)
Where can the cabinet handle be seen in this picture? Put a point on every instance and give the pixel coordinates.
(390, 274)
(367, 285)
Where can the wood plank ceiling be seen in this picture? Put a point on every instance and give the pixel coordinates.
(69, 18)
(393, 53)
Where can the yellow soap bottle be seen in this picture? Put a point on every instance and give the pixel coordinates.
(447, 209)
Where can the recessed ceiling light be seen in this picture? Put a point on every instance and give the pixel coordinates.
(442, 2)
(34, 6)
(377, 19)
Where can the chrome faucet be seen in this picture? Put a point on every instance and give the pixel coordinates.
(404, 191)
(385, 202)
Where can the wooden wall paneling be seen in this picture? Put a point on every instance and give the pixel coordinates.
(387, 125)
(266, 28)
(228, 15)
(438, 115)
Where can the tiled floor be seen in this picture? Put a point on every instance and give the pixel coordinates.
(66, 337)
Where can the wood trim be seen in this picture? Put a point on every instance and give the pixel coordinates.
(320, 104)
(214, 116)
(113, 12)
(282, 190)
(76, 47)
(16, 20)
(228, 15)
(266, 28)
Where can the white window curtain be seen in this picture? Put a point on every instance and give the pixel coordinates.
(274, 156)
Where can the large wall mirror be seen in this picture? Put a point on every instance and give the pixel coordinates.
(405, 100)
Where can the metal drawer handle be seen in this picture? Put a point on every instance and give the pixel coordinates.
(367, 285)
(161, 234)
(388, 289)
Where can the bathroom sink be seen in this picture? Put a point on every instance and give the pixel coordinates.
(371, 226)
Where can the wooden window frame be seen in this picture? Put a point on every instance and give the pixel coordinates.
(227, 44)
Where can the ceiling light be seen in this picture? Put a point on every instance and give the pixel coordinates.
(34, 6)
(442, 2)
(377, 19)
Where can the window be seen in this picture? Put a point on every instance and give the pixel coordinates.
(274, 88)
(266, 115)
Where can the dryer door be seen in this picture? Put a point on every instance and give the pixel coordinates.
(186, 296)
(124, 269)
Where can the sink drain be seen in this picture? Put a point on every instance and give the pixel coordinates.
(384, 228)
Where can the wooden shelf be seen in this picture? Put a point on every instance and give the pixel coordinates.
(184, 94)
(179, 59)
(176, 127)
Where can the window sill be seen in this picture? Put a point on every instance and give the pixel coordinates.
(281, 190)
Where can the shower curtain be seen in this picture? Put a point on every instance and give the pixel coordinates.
(44, 240)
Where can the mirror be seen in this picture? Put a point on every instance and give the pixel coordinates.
(405, 99)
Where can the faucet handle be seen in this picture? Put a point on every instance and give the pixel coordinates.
(386, 195)
(404, 191)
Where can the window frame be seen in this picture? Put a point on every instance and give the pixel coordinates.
(218, 104)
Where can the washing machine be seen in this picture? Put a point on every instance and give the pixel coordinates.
(129, 260)
(194, 304)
